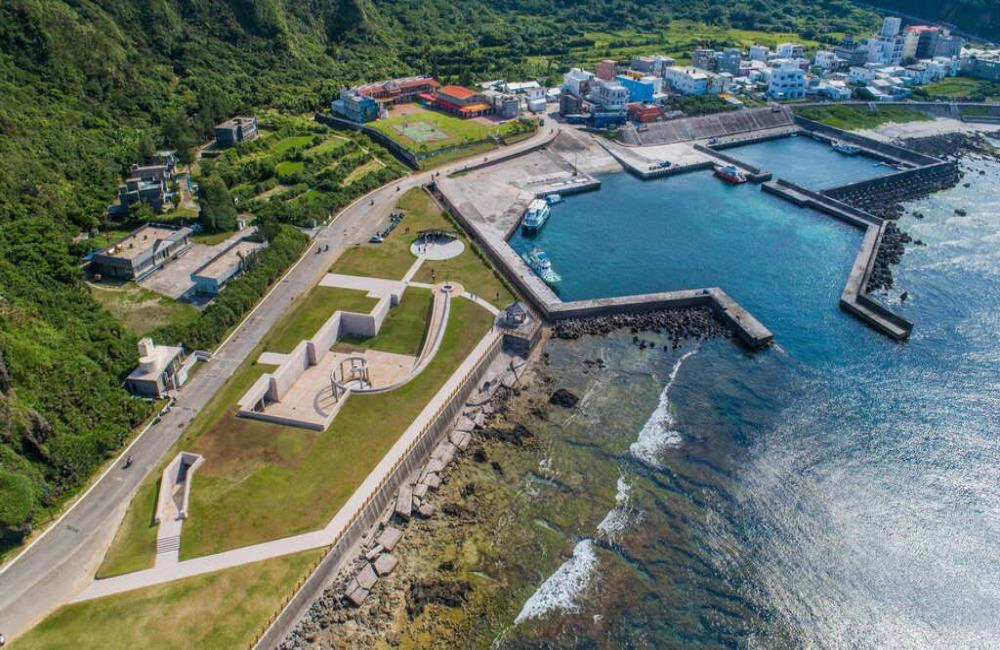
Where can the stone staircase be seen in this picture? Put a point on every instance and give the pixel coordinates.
(168, 544)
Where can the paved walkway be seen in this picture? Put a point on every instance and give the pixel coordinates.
(62, 560)
(306, 541)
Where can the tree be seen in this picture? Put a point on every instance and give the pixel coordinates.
(147, 149)
(218, 213)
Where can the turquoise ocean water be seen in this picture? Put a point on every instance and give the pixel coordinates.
(840, 490)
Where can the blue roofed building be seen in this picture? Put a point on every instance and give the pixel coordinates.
(354, 106)
(640, 89)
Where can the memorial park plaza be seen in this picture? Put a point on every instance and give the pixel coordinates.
(281, 459)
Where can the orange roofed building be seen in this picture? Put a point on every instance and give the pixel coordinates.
(463, 102)
(398, 91)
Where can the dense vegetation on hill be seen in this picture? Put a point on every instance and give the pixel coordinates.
(979, 17)
(87, 86)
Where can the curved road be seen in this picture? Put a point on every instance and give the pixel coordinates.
(64, 558)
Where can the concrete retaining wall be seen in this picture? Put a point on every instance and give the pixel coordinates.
(411, 462)
(394, 147)
(890, 151)
(325, 337)
(289, 371)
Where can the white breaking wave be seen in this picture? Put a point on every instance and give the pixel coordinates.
(617, 519)
(658, 433)
(561, 590)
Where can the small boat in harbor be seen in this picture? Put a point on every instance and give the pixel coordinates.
(552, 199)
(846, 148)
(731, 174)
(536, 215)
(540, 263)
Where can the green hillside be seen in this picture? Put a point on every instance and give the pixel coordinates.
(87, 85)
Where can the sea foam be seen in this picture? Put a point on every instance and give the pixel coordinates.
(562, 589)
(658, 433)
(617, 519)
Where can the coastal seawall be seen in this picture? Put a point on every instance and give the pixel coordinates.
(368, 517)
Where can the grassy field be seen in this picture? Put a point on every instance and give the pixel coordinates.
(402, 331)
(285, 144)
(362, 170)
(959, 88)
(262, 481)
(307, 316)
(218, 610)
(456, 129)
(134, 545)
(142, 310)
(854, 117)
(392, 258)
(289, 167)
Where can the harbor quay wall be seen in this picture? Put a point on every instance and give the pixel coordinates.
(756, 174)
(369, 515)
(750, 331)
(931, 175)
(873, 147)
(854, 298)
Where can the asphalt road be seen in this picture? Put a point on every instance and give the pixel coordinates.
(64, 559)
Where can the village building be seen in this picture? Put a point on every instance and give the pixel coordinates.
(354, 106)
(398, 91)
(209, 279)
(141, 252)
(161, 370)
(463, 102)
(235, 130)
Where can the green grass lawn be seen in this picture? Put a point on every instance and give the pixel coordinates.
(140, 309)
(959, 88)
(457, 129)
(852, 117)
(262, 481)
(362, 170)
(285, 144)
(289, 167)
(223, 610)
(326, 147)
(392, 258)
(134, 545)
(307, 316)
(402, 331)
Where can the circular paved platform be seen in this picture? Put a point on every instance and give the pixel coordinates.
(436, 250)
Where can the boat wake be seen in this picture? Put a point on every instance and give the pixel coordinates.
(563, 588)
(658, 433)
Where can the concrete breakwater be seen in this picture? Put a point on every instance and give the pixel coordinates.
(748, 329)
(854, 298)
(882, 196)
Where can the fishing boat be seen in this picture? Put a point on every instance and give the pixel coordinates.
(846, 148)
(536, 215)
(540, 263)
(730, 174)
(552, 199)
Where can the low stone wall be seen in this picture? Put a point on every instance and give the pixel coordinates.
(376, 504)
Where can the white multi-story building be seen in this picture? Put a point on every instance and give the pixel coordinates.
(577, 81)
(759, 53)
(861, 75)
(791, 51)
(788, 81)
(836, 90)
(826, 59)
(610, 96)
(887, 47)
(687, 81)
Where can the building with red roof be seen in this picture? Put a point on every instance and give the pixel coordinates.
(457, 100)
(398, 91)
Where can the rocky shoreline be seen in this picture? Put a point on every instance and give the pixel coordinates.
(676, 324)
(888, 203)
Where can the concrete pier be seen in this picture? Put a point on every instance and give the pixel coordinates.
(854, 298)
